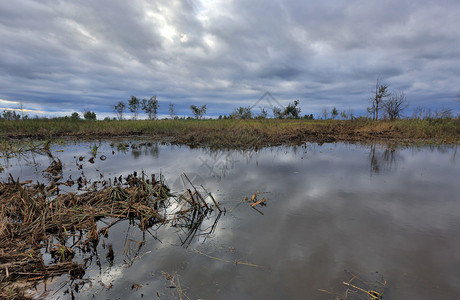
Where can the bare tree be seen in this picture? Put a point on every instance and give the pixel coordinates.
(171, 110)
(380, 94)
(21, 109)
(394, 105)
(444, 113)
(325, 113)
(418, 112)
(350, 114)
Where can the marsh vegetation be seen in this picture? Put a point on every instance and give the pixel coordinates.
(242, 133)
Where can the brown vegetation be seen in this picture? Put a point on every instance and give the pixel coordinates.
(32, 220)
(231, 133)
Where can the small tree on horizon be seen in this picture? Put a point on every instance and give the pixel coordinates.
(119, 109)
(292, 111)
(380, 94)
(134, 105)
(263, 114)
(10, 115)
(350, 114)
(242, 113)
(277, 112)
(89, 115)
(172, 114)
(198, 111)
(443, 113)
(325, 113)
(334, 113)
(75, 116)
(394, 105)
(21, 109)
(150, 107)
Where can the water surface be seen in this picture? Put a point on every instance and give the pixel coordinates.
(383, 213)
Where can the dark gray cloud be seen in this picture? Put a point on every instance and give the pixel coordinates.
(61, 56)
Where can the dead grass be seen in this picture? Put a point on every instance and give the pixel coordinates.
(31, 220)
(231, 133)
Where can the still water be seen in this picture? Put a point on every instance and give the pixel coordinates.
(389, 215)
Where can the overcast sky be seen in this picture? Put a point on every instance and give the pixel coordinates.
(57, 57)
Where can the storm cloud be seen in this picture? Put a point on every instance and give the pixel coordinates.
(64, 56)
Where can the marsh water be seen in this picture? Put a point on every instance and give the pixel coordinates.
(389, 215)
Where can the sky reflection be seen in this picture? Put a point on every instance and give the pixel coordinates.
(332, 207)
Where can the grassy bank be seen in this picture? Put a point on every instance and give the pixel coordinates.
(242, 133)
